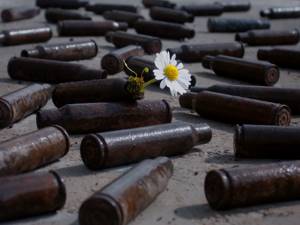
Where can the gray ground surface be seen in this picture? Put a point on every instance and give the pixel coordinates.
(184, 201)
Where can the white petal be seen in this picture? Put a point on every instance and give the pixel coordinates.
(184, 74)
(168, 83)
(166, 58)
(184, 78)
(184, 84)
(178, 88)
(158, 74)
(179, 66)
(163, 84)
(173, 60)
(159, 62)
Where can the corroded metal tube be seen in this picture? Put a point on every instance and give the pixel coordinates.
(236, 25)
(88, 28)
(239, 110)
(138, 64)
(33, 150)
(64, 4)
(99, 117)
(269, 37)
(56, 15)
(122, 200)
(100, 8)
(115, 148)
(235, 6)
(253, 185)
(283, 57)
(281, 12)
(113, 62)
(171, 15)
(160, 3)
(19, 13)
(122, 16)
(30, 195)
(25, 36)
(203, 9)
(64, 52)
(253, 141)
(196, 52)
(21, 103)
(285, 96)
(120, 39)
(104, 90)
(50, 71)
(254, 72)
(163, 29)
(186, 100)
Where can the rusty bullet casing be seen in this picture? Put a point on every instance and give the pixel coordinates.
(19, 13)
(88, 28)
(113, 62)
(269, 37)
(203, 9)
(116, 148)
(163, 29)
(31, 194)
(239, 110)
(64, 52)
(186, 100)
(99, 117)
(236, 25)
(50, 71)
(281, 12)
(122, 200)
(21, 103)
(255, 72)
(159, 3)
(100, 8)
(171, 15)
(196, 52)
(138, 64)
(122, 16)
(283, 57)
(285, 96)
(103, 90)
(120, 39)
(253, 141)
(235, 6)
(253, 185)
(64, 4)
(25, 36)
(33, 150)
(56, 15)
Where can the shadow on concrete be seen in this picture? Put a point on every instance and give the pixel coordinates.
(203, 211)
(74, 171)
(31, 219)
(215, 77)
(107, 47)
(81, 170)
(11, 81)
(228, 158)
(193, 118)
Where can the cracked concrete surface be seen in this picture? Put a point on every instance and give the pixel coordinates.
(184, 201)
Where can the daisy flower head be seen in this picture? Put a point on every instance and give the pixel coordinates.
(171, 73)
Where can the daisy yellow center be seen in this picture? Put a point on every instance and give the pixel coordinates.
(171, 72)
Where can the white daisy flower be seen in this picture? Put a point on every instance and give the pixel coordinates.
(172, 74)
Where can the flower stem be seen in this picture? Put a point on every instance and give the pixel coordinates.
(146, 84)
(129, 68)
